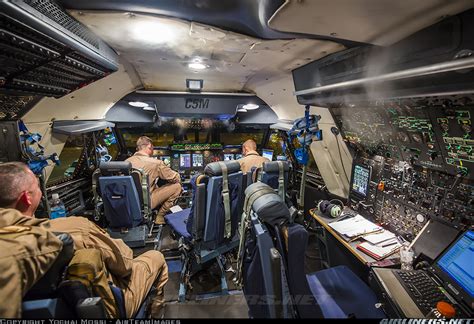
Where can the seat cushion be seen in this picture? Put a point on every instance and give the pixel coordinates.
(177, 222)
(340, 293)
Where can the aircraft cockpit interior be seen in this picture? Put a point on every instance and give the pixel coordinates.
(237, 159)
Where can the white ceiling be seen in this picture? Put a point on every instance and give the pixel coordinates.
(160, 50)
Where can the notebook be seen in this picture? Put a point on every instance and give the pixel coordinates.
(378, 252)
(354, 226)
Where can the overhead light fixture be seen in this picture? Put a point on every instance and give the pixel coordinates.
(242, 110)
(197, 66)
(194, 84)
(148, 108)
(139, 104)
(154, 31)
(250, 106)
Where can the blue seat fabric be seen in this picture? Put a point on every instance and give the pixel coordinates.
(178, 222)
(215, 212)
(121, 201)
(341, 294)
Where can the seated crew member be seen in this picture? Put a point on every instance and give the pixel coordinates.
(20, 195)
(250, 157)
(164, 195)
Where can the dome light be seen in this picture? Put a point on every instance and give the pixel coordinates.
(197, 66)
(241, 110)
(139, 104)
(250, 106)
(148, 108)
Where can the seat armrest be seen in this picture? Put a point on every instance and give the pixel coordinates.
(47, 285)
(199, 212)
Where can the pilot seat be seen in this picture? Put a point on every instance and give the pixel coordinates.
(53, 297)
(122, 195)
(208, 229)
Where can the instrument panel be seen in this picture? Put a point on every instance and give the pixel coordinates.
(421, 161)
(191, 158)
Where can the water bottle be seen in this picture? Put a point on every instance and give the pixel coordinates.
(406, 257)
(57, 207)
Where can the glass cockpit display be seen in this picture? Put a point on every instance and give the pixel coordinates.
(360, 180)
(198, 160)
(228, 157)
(267, 154)
(185, 160)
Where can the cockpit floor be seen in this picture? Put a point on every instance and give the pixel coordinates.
(229, 306)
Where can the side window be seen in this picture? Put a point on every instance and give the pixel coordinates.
(312, 167)
(131, 135)
(69, 158)
(312, 163)
(275, 143)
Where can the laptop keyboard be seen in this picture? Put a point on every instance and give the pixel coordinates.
(422, 289)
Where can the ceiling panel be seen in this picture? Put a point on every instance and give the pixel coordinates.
(380, 22)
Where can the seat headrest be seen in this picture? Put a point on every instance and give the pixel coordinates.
(273, 166)
(269, 207)
(214, 169)
(114, 167)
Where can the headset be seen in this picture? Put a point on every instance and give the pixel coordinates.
(329, 209)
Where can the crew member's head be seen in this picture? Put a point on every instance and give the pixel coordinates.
(145, 145)
(19, 188)
(249, 145)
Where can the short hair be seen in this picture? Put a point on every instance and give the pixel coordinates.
(250, 144)
(143, 141)
(15, 178)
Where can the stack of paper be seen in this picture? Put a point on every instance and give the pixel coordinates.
(354, 226)
(378, 252)
(381, 239)
(379, 243)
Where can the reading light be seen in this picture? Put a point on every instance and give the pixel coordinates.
(148, 108)
(242, 110)
(250, 106)
(197, 66)
(194, 85)
(139, 104)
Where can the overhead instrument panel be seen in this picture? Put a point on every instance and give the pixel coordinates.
(45, 51)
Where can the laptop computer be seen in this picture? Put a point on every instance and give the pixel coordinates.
(450, 278)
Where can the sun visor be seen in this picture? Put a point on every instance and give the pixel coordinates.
(76, 127)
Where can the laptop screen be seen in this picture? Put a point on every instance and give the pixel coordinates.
(455, 266)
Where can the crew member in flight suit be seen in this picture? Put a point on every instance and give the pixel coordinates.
(250, 157)
(164, 195)
(20, 195)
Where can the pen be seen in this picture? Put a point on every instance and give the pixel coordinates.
(388, 244)
(344, 217)
(364, 234)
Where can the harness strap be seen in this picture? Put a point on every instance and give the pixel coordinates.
(226, 200)
(281, 180)
(245, 225)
